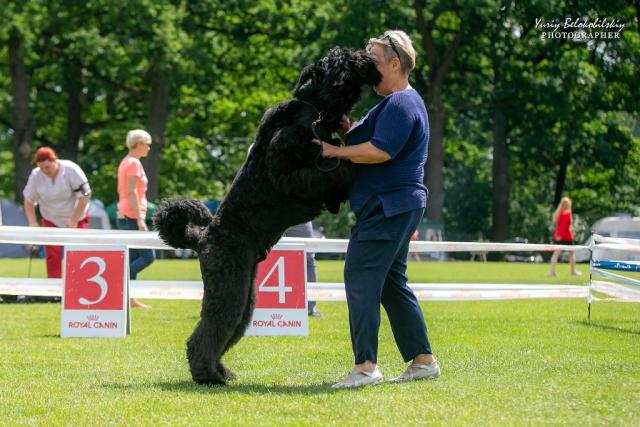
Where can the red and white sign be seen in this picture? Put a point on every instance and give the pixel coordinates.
(281, 294)
(95, 299)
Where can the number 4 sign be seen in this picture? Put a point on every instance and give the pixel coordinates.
(281, 299)
(95, 301)
(281, 289)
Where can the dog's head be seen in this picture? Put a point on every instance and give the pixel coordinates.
(338, 77)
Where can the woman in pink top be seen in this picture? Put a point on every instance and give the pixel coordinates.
(132, 200)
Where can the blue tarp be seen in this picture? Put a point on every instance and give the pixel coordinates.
(12, 214)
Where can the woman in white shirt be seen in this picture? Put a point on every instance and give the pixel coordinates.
(61, 190)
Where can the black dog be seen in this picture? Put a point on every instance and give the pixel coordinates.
(284, 182)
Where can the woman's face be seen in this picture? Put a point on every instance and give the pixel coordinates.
(387, 68)
(143, 148)
(49, 167)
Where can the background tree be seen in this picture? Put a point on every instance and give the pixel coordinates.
(516, 121)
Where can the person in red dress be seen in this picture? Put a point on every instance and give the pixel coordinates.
(563, 219)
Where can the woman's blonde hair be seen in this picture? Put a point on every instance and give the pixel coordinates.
(564, 205)
(396, 43)
(137, 135)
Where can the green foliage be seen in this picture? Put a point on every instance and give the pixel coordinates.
(468, 180)
(572, 106)
(336, 226)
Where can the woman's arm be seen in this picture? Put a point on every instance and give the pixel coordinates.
(360, 153)
(30, 211)
(134, 201)
(78, 211)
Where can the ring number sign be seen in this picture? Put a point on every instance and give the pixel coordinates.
(281, 288)
(281, 298)
(94, 301)
(97, 279)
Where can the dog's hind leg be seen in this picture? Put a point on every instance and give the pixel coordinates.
(223, 308)
(248, 312)
(199, 348)
(209, 340)
(225, 372)
(242, 326)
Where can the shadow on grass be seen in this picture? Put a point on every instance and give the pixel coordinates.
(191, 387)
(609, 328)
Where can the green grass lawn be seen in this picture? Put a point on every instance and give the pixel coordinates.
(331, 271)
(503, 362)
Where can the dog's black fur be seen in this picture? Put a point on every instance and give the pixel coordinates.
(284, 182)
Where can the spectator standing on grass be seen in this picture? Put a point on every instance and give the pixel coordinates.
(563, 219)
(389, 149)
(132, 200)
(61, 191)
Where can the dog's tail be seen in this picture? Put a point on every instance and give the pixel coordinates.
(180, 222)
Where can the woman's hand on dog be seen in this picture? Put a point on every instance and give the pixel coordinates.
(328, 150)
(345, 124)
(333, 150)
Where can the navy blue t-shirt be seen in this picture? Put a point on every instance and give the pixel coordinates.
(398, 126)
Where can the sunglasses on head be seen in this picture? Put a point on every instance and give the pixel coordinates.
(392, 44)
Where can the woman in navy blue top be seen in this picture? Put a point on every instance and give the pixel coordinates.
(389, 148)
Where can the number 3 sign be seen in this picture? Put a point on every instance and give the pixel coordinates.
(94, 301)
(281, 303)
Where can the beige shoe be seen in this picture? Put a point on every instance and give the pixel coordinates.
(419, 372)
(357, 379)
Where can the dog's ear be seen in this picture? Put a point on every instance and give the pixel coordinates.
(307, 81)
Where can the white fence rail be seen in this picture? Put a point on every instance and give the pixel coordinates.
(140, 239)
(192, 290)
(317, 291)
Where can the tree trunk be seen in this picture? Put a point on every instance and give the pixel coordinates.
(434, 175)
(22, 119)
(501, 173)
(73, 76)
(158, 113)
(636, 5)
(562, 172)
(431, 86)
